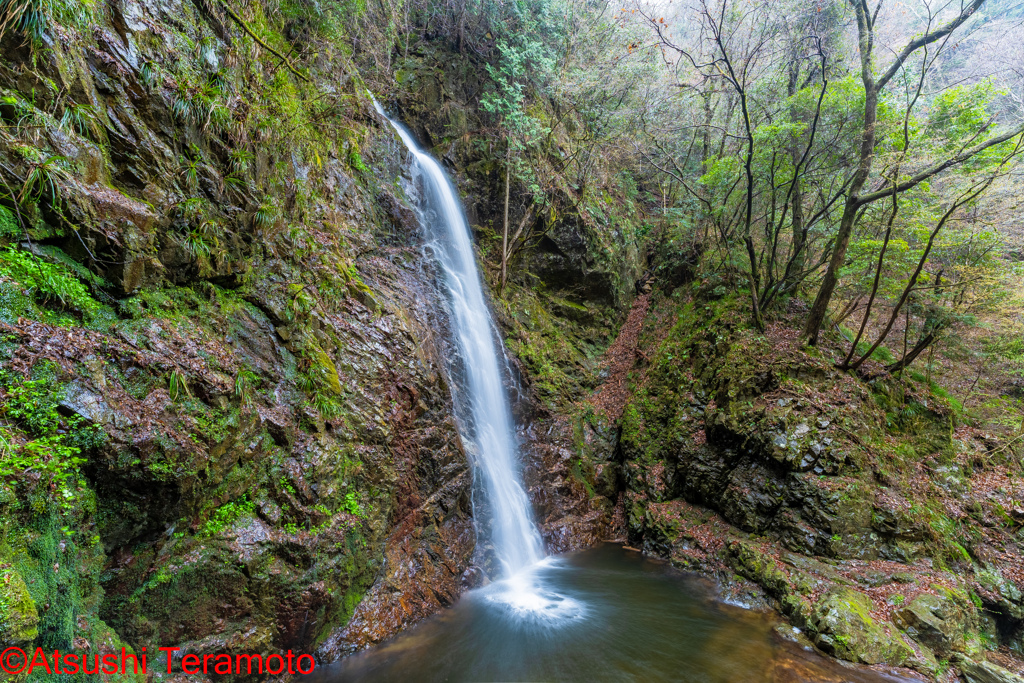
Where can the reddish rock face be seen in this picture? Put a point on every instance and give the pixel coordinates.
(427, 561)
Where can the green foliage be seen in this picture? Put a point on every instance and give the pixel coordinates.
(960, 111)
(351, 505)
(50, 568)
(43, 176)
(177, 386)
(9, 227)
(19, 112)
(246, 382)
(240, 160)
(881, 354)
(199, 102)
(327, 405)
(54, 442)
(189, 170)
(355, 159)
(192, 209)
(79, 117)
(35, 17)
(265, 216)
(51, 283)
(151, 74)
(227, 514)
(203, 243)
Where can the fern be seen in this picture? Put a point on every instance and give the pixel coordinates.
(9, 226)
(51, 283)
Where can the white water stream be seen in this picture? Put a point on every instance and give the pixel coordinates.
(485, 404)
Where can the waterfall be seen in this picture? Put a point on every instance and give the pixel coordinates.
(481, 403)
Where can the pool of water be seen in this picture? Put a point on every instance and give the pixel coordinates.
(604, 614)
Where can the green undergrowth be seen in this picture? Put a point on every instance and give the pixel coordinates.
(227, 514)
(52, 289)
(51, 555)
(37, 437)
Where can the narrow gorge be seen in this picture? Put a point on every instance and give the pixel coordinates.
(511, 341)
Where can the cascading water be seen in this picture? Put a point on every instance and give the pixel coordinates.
(607, 614)
(485, 405)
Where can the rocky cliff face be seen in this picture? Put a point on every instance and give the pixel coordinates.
(568, 290)
(233, 305)
(220, 338)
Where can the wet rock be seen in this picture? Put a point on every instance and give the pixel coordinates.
(843, 627)
(428, 556)
(1004, 595)
(987, 672)
(88, 404)
(935, 621)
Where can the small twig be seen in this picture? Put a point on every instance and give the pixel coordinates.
(1006, 445)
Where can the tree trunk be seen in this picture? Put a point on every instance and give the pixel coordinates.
(797, 219)
(911, 355)
(867, 151)
(872, 87)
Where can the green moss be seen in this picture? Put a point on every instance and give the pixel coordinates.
(51, 595)
(15, 303)
(8, 223)
(19, 619)
(558, 342)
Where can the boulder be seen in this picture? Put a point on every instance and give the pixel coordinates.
(935, 621)
(987, 672)
(843, 627)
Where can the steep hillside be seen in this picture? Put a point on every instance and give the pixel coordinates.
(218, 350)
(870, 510)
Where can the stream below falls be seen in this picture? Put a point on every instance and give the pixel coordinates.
(604, 614)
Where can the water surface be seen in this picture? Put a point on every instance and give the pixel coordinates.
(605, 614)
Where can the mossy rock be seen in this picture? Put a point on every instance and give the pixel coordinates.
(1008, 596)
(19, 619)
(987, 672)
(843, 627)
(752, 563)
(935, 621)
